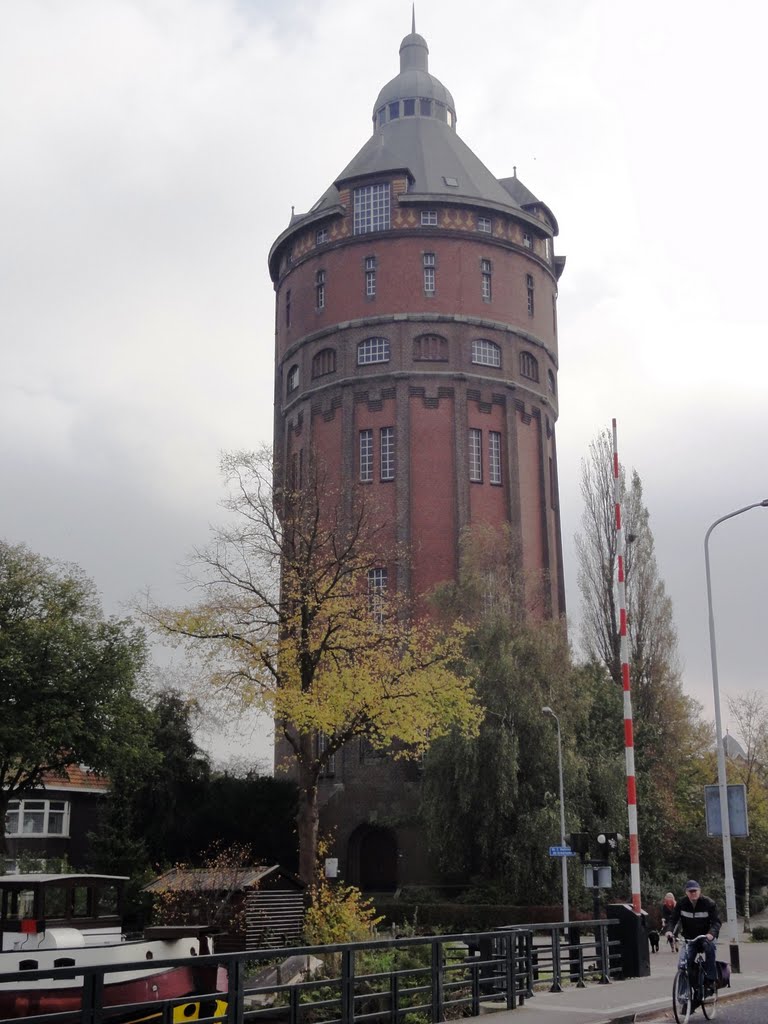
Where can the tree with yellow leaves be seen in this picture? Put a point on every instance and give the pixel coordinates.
(295, 620)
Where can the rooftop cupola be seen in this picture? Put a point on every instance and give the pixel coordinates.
(414, 92)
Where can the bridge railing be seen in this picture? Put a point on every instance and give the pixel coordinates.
(392, 981)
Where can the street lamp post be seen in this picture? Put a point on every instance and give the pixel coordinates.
(563, 859)
(722, 782)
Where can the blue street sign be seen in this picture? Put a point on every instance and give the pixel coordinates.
(561, 851)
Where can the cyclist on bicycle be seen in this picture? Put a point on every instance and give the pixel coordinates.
(697, 915)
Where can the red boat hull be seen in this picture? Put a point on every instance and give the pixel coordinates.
(174, 983)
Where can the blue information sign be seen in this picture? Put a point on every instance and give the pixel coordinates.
(561, 851)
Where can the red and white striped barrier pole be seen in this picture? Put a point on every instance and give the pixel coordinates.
(629, 740)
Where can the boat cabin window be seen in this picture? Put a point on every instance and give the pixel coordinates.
(81, 903)
(64, 961)
(56, 902)
(106, 901)
(19, 903)
(27, 965)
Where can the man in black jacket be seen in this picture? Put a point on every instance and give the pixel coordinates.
(697, 915)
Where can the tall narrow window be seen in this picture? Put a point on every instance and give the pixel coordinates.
(324, 362)
(429, 273)
(548, 249)
(529, 367)
(371, 209)
(494, 456)
(529, 289)
(320, 289)
(554, 315)
(370, 276)
(292, 380)
(377, 589)
(366, 456)
(485, 279)
(288, 308)
(475, 455)
(551, 385)
(329, 768)
(387, 452)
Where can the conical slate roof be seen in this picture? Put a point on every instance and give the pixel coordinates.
(414, 121)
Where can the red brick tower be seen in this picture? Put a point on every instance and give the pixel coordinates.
(416, 354)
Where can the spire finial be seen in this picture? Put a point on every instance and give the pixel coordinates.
(413, 19)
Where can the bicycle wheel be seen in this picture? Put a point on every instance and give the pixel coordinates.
(681, 997)
(709, 1005)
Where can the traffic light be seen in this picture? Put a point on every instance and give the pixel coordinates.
(608, 842)
(579, 842)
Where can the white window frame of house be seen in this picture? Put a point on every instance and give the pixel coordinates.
(371, 209)
(527, 240)
(429, 218)
(485, 353)
(548, 249)
(377, 589)
(320, 289)
(321, 236)
(387, 453)
(529, 289)
(475, 455)
(365, 448)
(484, 224)
(372, 350)
(494, 457)
(292, 380)
(29, 811)
(429, 273)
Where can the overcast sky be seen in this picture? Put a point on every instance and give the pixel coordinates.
(152, 150)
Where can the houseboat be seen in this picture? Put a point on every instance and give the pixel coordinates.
(75, 921)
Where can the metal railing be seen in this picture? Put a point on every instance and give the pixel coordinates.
(393, 981)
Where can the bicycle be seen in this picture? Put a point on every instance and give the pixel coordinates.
(689, 991)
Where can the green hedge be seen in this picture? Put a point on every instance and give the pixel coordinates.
(466, 917)
(760, 934)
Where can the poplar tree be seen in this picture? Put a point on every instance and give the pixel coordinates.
(667, 725)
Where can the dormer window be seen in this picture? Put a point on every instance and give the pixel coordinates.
(371, 209)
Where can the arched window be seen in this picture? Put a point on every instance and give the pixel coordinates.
(373, 350)
(528, 366)
(324, 362)
(292, 380)
(430, 348)
(486, 353)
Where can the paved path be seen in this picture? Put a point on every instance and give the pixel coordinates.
(635, 999)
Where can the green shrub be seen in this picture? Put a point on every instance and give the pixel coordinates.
(338, 913)
(760, 934)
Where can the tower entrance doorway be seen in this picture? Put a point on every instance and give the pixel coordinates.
(372, 858)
